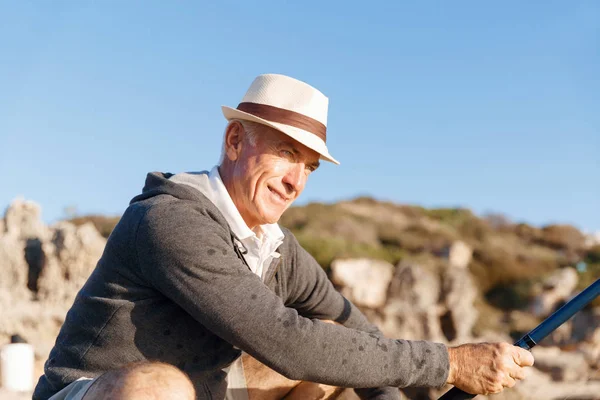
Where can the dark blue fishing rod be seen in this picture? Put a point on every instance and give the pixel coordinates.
(538, 333)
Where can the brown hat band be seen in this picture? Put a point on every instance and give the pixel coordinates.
(287, 117)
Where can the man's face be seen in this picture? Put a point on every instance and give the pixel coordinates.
(269, 175)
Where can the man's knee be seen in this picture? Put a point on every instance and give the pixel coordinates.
(147, 380)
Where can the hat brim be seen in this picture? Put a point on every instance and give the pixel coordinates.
(306, 138)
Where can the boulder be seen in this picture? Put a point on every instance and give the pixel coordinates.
(564, 366)
(539, 385)
(556, 289)
(591, 352)
(363, 281)
(41, 271)
(71, 257)
(459, 294)
(412, 310)
(460, 254)
(13, 267)
(23, 220)
(585, 326)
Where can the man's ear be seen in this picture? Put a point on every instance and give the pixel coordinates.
(234, 135)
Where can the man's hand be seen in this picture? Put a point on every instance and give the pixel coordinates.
(487, 368)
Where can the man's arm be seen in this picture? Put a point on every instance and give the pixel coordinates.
(188, 256)
(475, 368)
(311, 291)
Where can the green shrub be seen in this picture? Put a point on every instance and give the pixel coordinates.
(592, 256)
(495, 266)
(514, 296)
(415, 239)
(326, 249)
(461, 219)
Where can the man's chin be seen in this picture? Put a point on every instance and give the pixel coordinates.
(271, 218)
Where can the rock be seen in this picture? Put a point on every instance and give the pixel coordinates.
(71, 257)
(459, 294)
(538, 385)
(585, 326)
(23, 220)
(364, 282)
(41, 271)
(561, 365)
(412, 310)
(591, 352)
(557, 288)
(13, 268)
(460, 255)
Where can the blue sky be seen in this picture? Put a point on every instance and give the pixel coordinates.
(494, 107)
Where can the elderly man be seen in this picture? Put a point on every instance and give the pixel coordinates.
(198, 271)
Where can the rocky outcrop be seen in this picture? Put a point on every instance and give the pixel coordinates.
(460, 255)
(74, 252)
(539, 385)
(459, 294)
(412, 309)
(556, 289)
(23, 220)
(13, 267)
(561, 365)
(363, 281)
(41, 270)
(410, 301)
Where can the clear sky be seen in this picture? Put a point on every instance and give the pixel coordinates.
(490, 106)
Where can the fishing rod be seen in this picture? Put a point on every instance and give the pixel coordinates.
(538, 333)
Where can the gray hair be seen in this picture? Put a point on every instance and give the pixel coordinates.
(251, 129)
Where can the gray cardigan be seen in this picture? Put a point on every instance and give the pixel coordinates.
(172, 285)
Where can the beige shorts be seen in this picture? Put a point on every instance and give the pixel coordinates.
(74, 390)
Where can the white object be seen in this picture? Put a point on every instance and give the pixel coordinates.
(17, 367)
(288, 105)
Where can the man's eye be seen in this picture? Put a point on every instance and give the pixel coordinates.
(287, 153)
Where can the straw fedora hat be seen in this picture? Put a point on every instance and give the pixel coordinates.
(288, 105)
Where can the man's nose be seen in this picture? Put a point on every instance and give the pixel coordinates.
(295, 177)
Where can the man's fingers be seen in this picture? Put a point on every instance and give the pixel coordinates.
(509, 382)
(518, 373)
(522, 357)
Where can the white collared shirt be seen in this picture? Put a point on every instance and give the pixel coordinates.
(261, 248)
